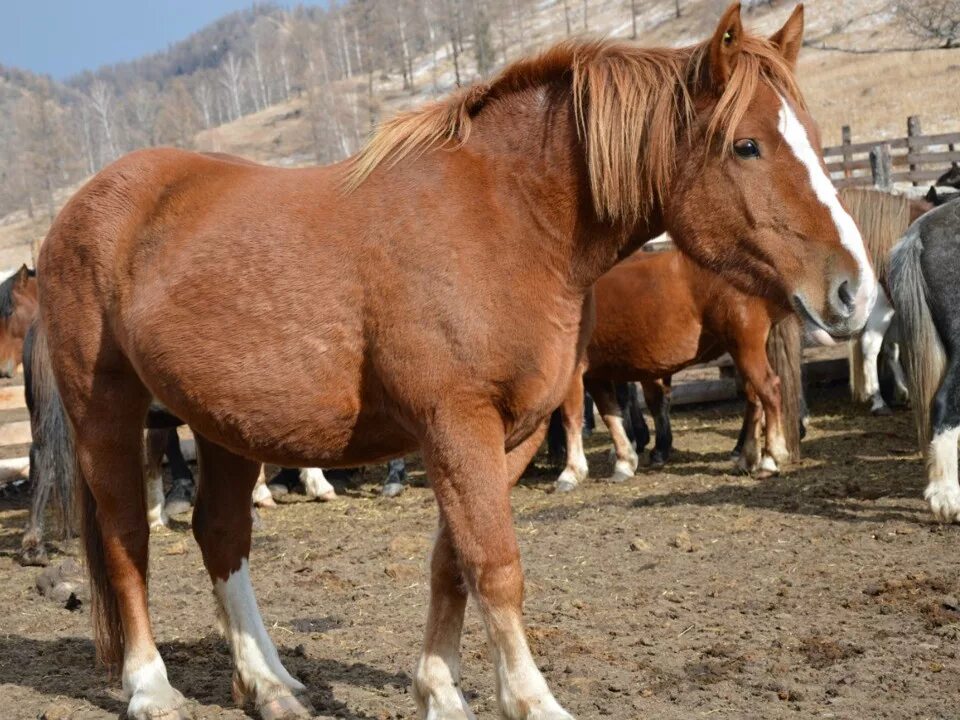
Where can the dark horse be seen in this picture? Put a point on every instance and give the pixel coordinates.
(18, 308)
(925, 283)
(500, 206)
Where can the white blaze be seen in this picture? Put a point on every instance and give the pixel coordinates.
(796, 136)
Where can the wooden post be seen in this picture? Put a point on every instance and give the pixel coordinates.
(846, 142)
(913, 146)
(881, 165)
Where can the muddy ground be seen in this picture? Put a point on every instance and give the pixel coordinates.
(687, 592)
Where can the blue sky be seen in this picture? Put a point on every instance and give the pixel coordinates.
(65, 37)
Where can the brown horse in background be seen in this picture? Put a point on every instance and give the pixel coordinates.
(18, 308)
(658, 313)
(548, 175)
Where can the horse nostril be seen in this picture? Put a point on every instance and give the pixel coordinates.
(847, 300)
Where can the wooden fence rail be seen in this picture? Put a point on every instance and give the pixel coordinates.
(915, 159)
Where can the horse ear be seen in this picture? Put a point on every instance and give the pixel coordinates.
(789, 38)
(23, 274)
(725, 46)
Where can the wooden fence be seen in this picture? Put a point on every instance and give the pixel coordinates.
(916, 159)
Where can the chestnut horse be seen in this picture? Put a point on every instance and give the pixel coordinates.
(18, 308)
(500, 206)
(698, 317)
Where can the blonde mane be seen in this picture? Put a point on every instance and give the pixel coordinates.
(632, 105)
(882, 217)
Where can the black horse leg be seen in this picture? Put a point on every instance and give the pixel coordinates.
(589, 420)
(396, 481)
(183, 488)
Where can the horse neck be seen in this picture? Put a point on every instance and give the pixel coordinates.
(532, 146)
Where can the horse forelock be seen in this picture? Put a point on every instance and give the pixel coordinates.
(632, 106)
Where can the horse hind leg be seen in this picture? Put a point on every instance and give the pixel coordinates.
(222, 527)
(109, 446)
(627, 460)
(943, 488)
(871, 341)
(657, 396)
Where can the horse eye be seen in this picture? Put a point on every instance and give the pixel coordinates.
(746, 149)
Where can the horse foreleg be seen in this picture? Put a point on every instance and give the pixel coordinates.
(222, 527)
(943, 489)
(878, 322)
(477, 547)
(750, 455)
(627, 460)
(571, 415)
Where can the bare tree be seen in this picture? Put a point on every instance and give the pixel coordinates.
(203, 92)
(633, 19)
(231, 79)
(677, 4)
(936, 20)
(102, 100)
(177, 121)
(585, 11)
(566, 16)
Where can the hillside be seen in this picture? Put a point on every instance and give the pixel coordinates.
(318, 96)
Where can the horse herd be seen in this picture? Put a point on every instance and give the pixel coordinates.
(513, 212)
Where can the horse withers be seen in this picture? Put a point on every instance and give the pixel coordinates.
(500, 206)
(925, 280)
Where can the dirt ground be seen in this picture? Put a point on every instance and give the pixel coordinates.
(687, 592)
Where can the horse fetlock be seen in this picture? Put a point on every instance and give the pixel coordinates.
(437, 694)
(767, 467)
(262, 497)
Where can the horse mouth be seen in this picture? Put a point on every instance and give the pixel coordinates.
(822, 332)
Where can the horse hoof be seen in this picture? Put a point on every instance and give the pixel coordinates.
(565, 486)
(620, 476)
(176, 506)
(735, 454)
(287, 707)
(393, 489)
(657, 460)
(327, 496)
(881, 411)
(34, 557)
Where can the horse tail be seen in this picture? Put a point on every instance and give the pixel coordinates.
(922, 351)
(51, 449)
(785, 353)
(858, 380)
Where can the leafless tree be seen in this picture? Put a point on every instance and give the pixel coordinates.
(231, 78)
(566, 16)
(102, 102)
(203, 92)
(932, 20)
